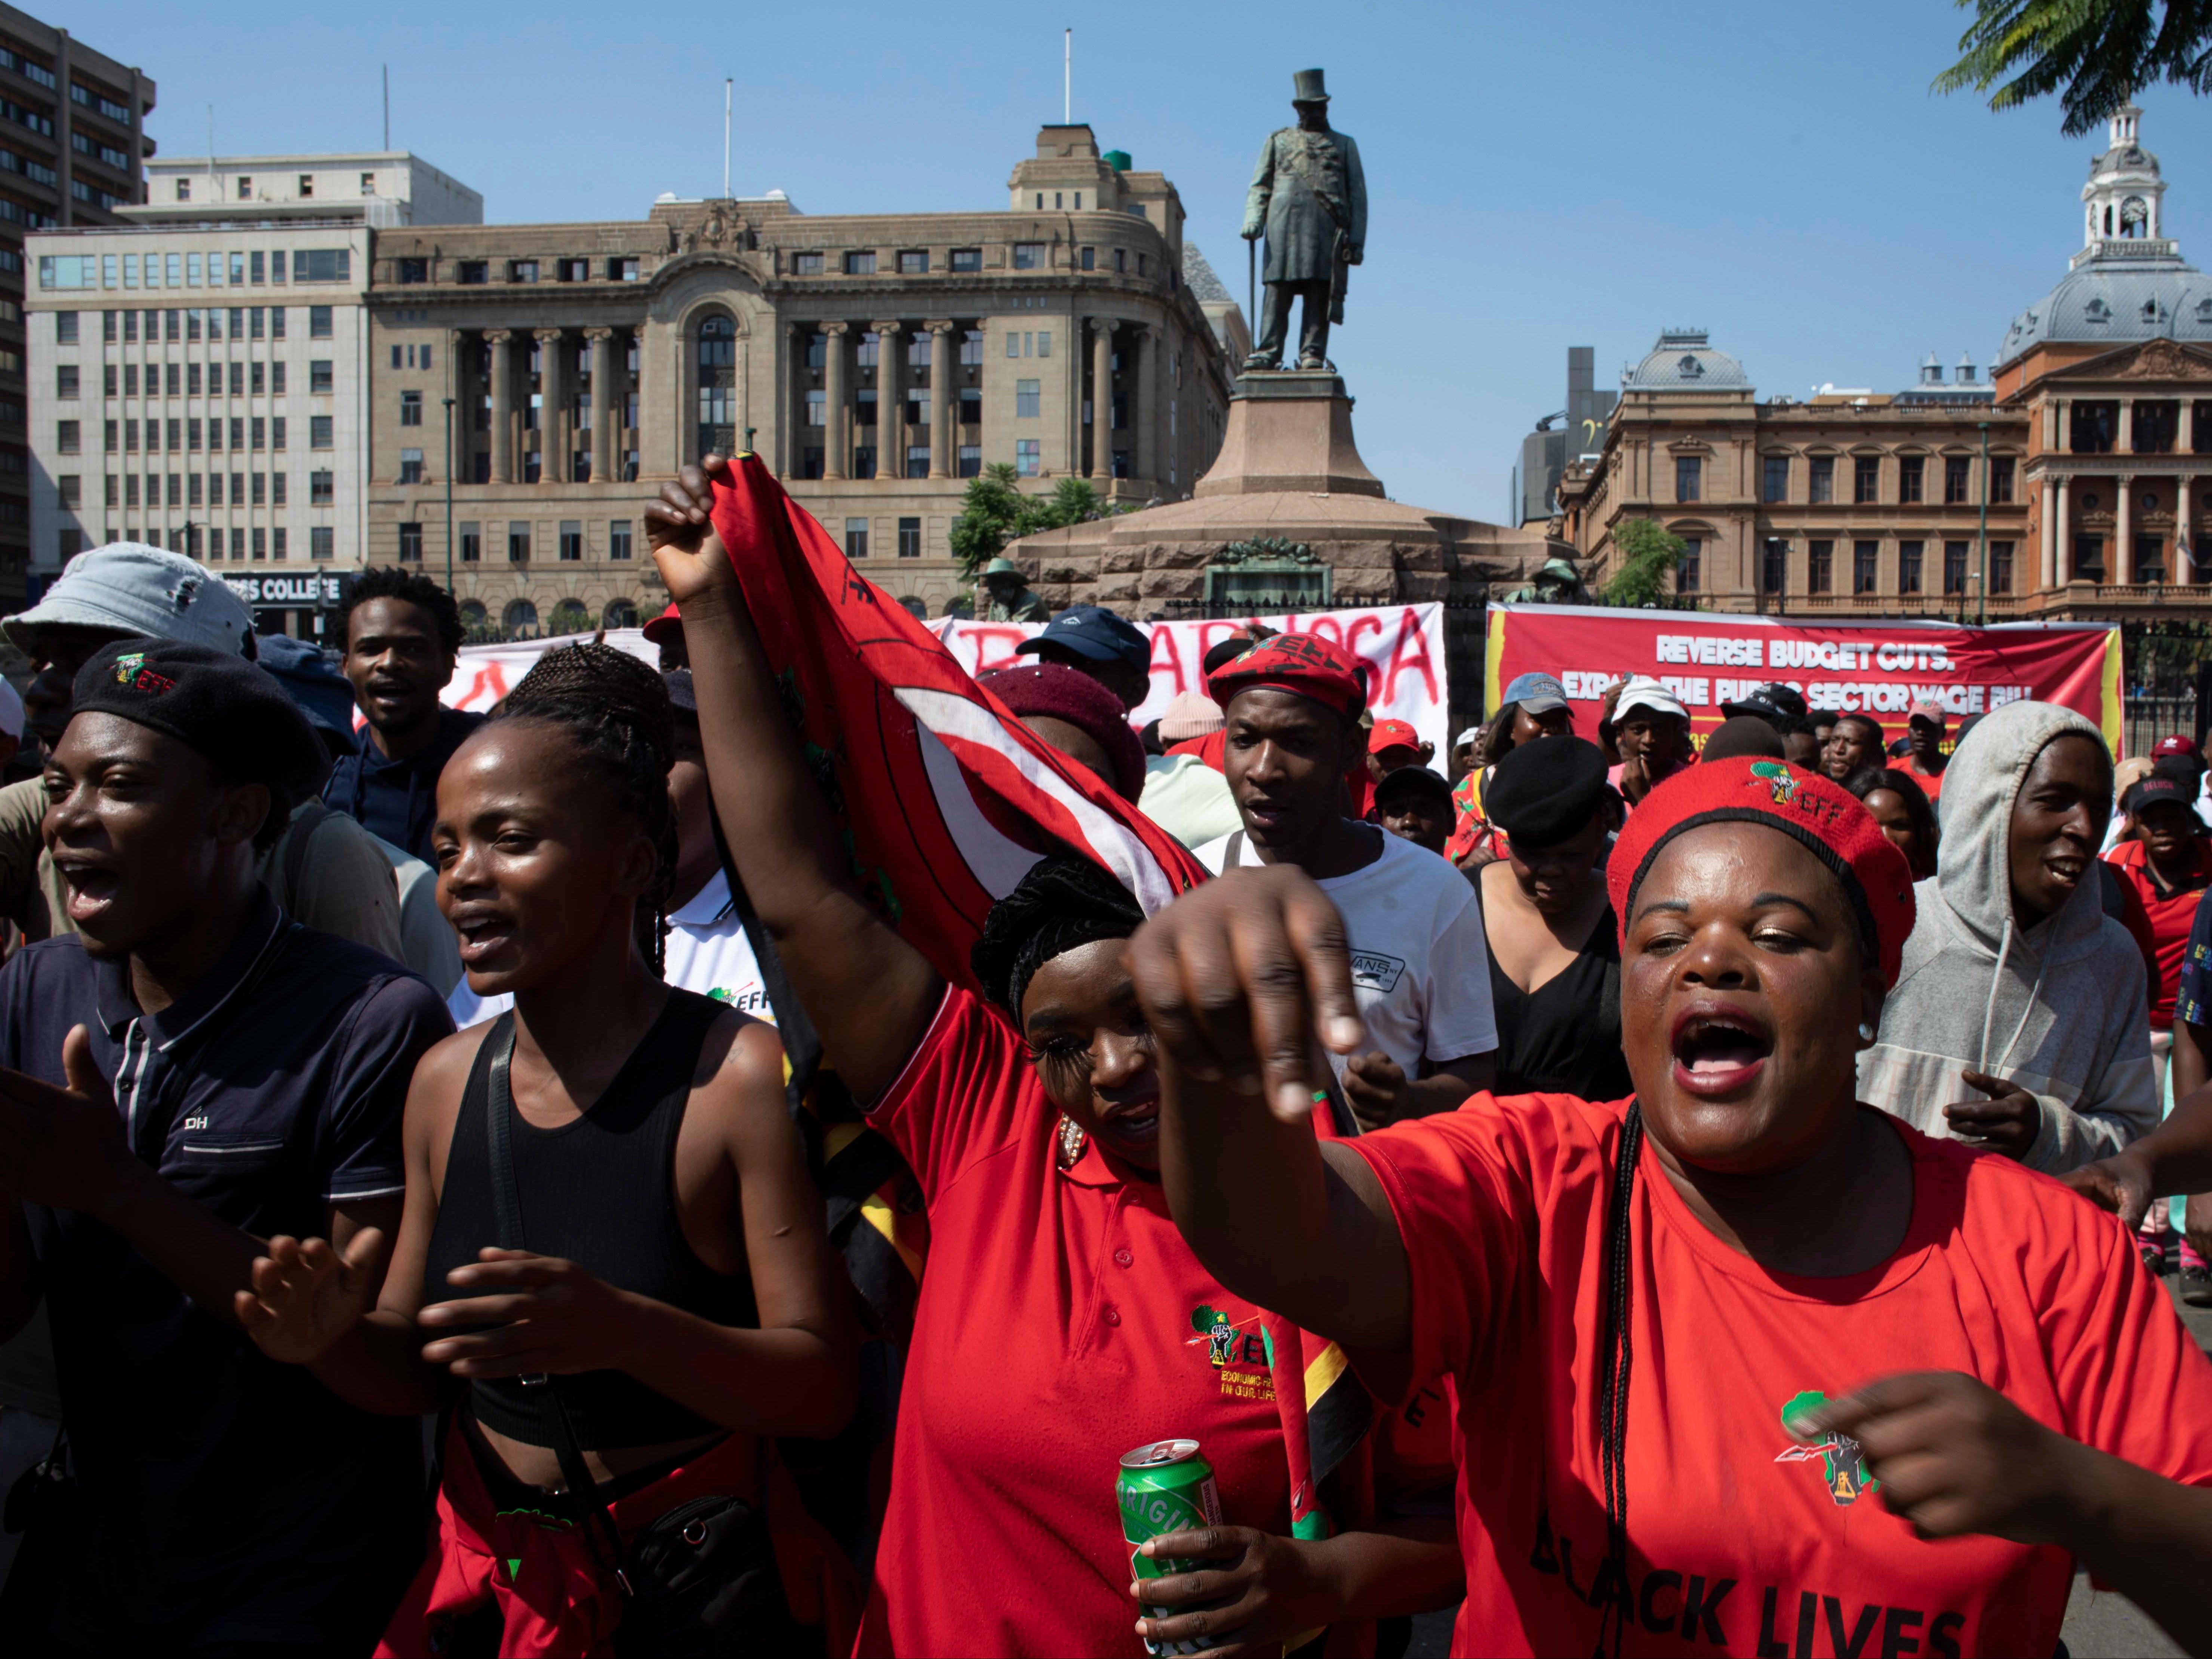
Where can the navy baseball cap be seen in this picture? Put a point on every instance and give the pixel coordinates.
(1093, 631)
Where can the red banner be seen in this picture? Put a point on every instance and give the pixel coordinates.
(1881, 669)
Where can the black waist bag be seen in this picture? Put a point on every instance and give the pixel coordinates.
(699, 1580)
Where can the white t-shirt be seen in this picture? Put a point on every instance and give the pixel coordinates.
(1420, 965)
(708, 953)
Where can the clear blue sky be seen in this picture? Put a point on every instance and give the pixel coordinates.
(1539, 177)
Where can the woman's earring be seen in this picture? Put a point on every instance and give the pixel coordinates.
(1866, 1032)
(1071, 1142)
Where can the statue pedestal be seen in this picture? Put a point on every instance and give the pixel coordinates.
(1290, 430)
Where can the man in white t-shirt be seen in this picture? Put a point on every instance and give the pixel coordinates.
(1420, 964)
(707, 949)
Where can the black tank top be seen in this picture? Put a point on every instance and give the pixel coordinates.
(599, 1192)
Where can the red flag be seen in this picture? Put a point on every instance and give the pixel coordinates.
(945, 798)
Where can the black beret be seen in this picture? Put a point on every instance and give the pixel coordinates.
(1547, 790)
(232, 712)
(1413, 780)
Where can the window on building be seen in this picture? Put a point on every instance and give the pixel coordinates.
(972, 406)
(864, 460)
(70, 487)
(275, 321)
(917, 460)
(65, 381)
(1955, 474)
(914, 262)
(410, 466)
(811, 462)
(320, 378)
(260, 482)
(65, 437)
(909, 538)
(129, 380)
(817, 406)
(1121, 261)
(322, 488)
(1820, 566)
(2089, 555)
(1866, 479)
(318, 322)
(622, 270)
(1028, 400)
(261, 543)
(1028, 256)
(522, 271)
(322, 542)
(1774, 566)
(410, 544)
(277, 432)
(864, 407)
(2000, 566)
(329, 265)
(1774, 478)
(532, 466)
(1028, 458)
(856, 538)
(966, 258)
(276, 540)
(276, 489)
(2001, 477)
(410, 408)
(1821, 479)
(517, 543)
(2092, 426)
(1689, 571)
(2200, 428)
(1865, 566)
(1954, 568)
(1911, 474)
(471, 533)
(1688, 476)
(971, 349)
(413, 270)
(861, 262)
(2151, 427)
(571, 541)
(806, 265)
(469, 273)
(1908, 566)
(1088, 259)
(259, 434)
(572, 270)
(971, 461)
(318, 432)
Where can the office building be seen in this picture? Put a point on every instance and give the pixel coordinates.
(1576, 429)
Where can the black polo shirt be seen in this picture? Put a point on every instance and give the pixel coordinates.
(228, 1498)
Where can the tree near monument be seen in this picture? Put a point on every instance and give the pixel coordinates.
(2100, 51)
(994, 512)
(1647, 556)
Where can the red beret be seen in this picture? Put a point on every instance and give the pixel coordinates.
(1304, 663)
(1823, 815)
(1055, 691)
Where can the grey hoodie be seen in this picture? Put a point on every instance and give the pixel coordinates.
(2057, 1008)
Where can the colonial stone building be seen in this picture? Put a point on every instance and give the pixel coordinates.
(2062, 486)
(876, 362)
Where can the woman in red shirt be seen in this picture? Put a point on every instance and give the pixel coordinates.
(1062, 1321)
(1724, 1356)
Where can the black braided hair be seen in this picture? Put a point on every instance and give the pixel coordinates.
(1617, 1269)
(616, 710)
(1062, 904)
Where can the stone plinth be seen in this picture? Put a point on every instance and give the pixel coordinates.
(1289, 430)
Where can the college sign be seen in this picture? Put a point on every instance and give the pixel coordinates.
(291, 592)
(1881, 668)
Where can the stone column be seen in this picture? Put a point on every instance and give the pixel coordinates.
(2050, 534)
(2123, 440)
(2184, 533)
(838, 434)
(1102, 400)
(2065, 551)
(1146, 416)
(501, 342)
(891, 403)
(552, 446)
(606, 404)
(2123, 533)
(944, 396)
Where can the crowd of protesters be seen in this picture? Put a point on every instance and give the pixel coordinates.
(1642, 1187)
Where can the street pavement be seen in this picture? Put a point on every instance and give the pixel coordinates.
(2100, 1624)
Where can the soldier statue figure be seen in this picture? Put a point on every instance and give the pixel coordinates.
(1310, 198)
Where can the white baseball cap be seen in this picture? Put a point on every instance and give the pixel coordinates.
(1642, 691)
(138, 589)
(1473, 734)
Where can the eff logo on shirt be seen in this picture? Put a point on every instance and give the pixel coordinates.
(1373, 971)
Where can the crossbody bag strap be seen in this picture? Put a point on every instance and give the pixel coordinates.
(600, 1532)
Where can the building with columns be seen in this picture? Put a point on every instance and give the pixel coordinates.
(876, 362)
(2064, 487)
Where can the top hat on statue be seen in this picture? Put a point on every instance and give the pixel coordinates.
(1306, 87)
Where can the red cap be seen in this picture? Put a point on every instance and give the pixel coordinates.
(1931, 711)
(2166, 746)
(1392, 734)
(1822, 815)
(667, 625)
(1304, 663)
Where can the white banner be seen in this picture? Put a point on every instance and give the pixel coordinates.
(486, 673)
(1402, 645)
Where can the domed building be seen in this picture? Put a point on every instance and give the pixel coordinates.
(2060, 486)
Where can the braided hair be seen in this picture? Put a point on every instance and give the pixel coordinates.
(615, 711)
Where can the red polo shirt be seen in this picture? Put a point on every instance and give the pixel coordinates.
(1741, 1540)
(1059, 1327)
(2169, 915)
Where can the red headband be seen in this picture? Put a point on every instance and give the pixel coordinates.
(1822, 815)
(1304, 663)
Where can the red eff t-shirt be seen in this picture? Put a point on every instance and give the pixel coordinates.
(1739, 1539)
(2171, 916)
(1063, 1322)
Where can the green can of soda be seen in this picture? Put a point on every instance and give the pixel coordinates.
(1163, 1486)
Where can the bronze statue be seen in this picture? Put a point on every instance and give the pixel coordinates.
(1310, 198)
